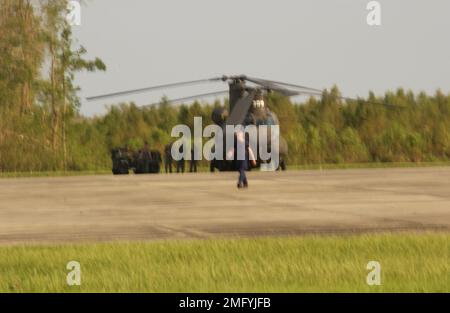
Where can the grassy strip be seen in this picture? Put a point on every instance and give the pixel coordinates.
(204, 169)
(368, 165)
(53, 174)
(409, 263)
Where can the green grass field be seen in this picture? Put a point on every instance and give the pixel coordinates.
(409, 263)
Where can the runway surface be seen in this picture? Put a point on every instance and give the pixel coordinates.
(107, 208)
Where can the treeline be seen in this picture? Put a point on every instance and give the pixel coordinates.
(38, 102)
(42, 130)
(399, 127)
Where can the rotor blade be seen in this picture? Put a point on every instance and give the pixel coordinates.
(204, 95)
(293, 85)
(374, 102)
(272, 86)
(147, 89)
(240, 109)
(320, 94)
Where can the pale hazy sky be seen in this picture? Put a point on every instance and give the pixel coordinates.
(316, 43)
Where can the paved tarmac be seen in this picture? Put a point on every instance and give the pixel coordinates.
(150, 207)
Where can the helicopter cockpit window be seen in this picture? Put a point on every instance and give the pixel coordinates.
(258, 104)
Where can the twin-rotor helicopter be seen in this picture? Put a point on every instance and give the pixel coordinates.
(247, 106)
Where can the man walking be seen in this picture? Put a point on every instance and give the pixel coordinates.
(242, 161)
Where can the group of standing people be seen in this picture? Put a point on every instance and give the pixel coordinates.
(180, 165)
(243, 162)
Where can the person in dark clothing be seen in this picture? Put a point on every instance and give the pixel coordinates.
(145, 152)
(242, 162)
(193, 162)
(168, 158)
(180, 163)
(242, 167)
(180, 166)
(144, 159)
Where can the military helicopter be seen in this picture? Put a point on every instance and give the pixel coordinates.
(247, 106)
